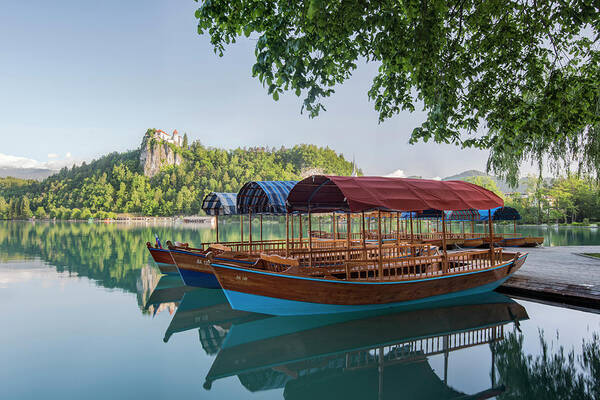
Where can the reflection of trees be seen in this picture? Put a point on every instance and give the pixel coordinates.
(113, 255)
(550, 375)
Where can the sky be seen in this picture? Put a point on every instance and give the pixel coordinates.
(81, 79)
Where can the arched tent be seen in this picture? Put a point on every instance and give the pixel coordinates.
(217, 203)
(320, 193)
(264, 197)
(500, 214)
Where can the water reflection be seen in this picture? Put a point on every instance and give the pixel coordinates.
(553, 374)
(358, 355)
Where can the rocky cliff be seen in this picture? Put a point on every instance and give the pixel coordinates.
(156, 153)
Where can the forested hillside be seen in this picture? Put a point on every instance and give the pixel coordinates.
(115, 183)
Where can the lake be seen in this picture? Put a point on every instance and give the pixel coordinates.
(87, 315)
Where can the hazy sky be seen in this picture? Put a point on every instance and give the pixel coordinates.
(89, 77)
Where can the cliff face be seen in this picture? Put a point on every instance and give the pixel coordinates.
(155, 153)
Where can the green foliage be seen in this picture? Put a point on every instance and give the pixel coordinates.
(569, 199)
(519, 78)
(115, 183)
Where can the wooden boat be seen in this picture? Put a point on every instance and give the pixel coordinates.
(303, 351)
(326, 290)
(513, 242)
(163, 259)
(282, 287)
(194, 266)
(473, 242)
(533, 241)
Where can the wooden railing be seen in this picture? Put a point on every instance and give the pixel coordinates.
(398, 263)
(425, 347)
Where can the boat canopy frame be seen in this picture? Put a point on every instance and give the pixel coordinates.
(325, 193)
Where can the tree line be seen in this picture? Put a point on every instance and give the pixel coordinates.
(570, 199)
(116, 184)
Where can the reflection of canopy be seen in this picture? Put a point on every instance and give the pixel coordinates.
(264, 197)
(415, 380)
(500, 214)
(216, 203)
(329, 193)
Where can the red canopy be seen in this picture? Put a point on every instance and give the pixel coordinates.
(345, 193)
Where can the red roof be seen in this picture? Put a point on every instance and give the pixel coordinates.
(364, 193)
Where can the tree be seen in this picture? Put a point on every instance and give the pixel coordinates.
(4, 208)
(185, 141)
(25, 210)
(40, 213)
(487, 183)
(518, 78)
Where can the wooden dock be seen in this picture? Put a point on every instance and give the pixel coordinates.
(558, 274)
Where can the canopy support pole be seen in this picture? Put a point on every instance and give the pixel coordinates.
(491, 237)
(292, 228)
(334, 226)
(380, 241)
(515, 227)
(242, 227)
(412, 237)
(261, 232)
(310, 255)
(250, 230)
(444, 249)
(287, 235)
(364, 241)
(348, 229)
(217, 225)
(398, 232)
(300, 230)
(319, 219)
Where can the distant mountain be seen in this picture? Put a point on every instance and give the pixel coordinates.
(27, 173)
(502, 184)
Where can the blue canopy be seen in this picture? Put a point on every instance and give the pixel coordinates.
(500, 214)
(216, 203)
(264, 197)
(425, 214)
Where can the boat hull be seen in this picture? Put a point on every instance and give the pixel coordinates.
(163, 260)
(282, 294)
(194, 269)
(513, 242)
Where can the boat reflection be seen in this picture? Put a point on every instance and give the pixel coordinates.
(168, 292)
(364, 355)
(208, 311)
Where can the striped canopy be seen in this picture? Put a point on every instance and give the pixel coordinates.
(264, 197)
(500, 214)
(462, 215)
(216, 203)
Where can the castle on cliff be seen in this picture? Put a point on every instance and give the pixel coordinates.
(175, 138)
(156, 152)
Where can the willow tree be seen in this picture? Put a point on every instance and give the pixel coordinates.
(520, 78)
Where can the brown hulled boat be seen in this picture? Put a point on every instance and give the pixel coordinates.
(391, 277)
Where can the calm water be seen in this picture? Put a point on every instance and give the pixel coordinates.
(86, 315)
